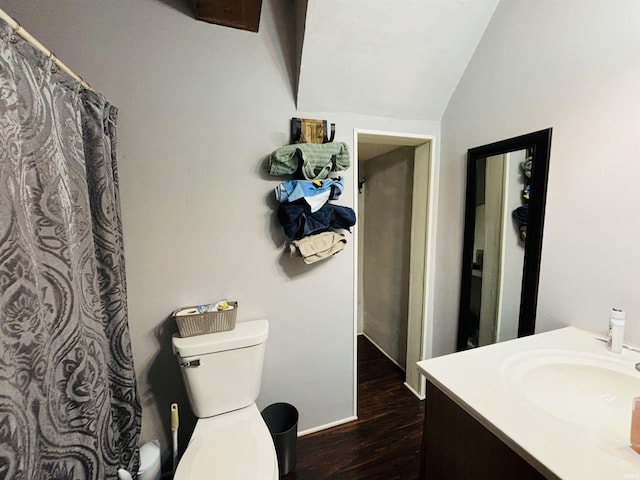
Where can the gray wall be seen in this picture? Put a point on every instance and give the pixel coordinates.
(573, 66)
(201, 107)
(386, 249)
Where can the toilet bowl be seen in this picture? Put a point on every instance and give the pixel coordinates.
(222, 373)
(235, 445)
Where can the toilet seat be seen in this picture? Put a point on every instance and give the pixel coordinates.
(231, 446)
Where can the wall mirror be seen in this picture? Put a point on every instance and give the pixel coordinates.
(504, 218)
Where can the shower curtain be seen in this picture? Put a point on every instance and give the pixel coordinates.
(68, 402)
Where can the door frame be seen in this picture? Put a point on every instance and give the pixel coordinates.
(421, 285)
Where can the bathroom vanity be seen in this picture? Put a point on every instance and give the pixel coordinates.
(555, 405)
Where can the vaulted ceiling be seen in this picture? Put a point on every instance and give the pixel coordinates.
(389, 58)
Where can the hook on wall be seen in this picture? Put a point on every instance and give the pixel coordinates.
(361, 183)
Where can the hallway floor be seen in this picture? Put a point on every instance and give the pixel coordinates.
(384, 443)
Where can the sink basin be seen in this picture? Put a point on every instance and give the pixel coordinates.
(590, 391)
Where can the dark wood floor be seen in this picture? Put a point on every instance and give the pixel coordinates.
(384, 443)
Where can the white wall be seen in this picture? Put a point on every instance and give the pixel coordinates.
(386, 250)
(201, 107)
(393, 59)
(574, 66)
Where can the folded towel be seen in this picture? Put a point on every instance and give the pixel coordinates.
(316, 193)
(317, 247)
(315, 160)
(298, 220)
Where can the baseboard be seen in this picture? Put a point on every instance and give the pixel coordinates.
(383, 352)
(420, 397)
(327, 425)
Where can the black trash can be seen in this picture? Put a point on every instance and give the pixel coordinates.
(282, 421)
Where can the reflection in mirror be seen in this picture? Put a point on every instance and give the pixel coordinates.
(506, 189)
(502, 192)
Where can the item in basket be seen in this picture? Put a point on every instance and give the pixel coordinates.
(207, 308)
(186, 311)
(223, 305)
(219, 306)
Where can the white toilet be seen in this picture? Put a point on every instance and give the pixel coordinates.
(222, 373)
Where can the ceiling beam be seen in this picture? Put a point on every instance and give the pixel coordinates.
(241, 14)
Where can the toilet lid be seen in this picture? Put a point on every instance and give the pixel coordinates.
(230, 446)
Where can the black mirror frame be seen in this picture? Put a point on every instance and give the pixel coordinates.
(540, 141)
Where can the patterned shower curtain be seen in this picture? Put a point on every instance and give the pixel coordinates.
(68, 402)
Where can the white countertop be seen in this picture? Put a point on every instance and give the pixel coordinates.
(475, 380)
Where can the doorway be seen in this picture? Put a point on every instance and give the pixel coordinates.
(397, 261)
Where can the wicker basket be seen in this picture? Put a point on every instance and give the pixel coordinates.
(208, 322)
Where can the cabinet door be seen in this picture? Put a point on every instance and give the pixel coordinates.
(457, 447)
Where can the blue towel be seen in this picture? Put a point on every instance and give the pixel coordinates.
(316, 193)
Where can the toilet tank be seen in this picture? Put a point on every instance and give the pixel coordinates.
(223, 371)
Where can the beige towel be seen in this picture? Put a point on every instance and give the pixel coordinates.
(316, 247)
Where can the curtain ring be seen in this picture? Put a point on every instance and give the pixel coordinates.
(54, 68)
(15, 36)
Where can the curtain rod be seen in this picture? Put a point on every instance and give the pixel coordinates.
(17, 28)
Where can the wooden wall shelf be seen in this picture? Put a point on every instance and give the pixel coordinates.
(242, 14)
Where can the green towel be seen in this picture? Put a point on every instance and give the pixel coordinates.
(316, 159)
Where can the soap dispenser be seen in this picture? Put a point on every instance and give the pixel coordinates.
(616, 330)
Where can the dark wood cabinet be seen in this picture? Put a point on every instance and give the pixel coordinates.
(455, 446)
